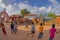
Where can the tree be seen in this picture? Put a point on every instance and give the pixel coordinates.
(40, 15)
(52, 15)
(24, 11)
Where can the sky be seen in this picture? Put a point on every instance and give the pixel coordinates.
(34, 6)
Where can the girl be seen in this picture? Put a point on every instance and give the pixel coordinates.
(52, 32)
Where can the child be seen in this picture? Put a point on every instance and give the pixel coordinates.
(27, 26)
(33, 29)
(3, 29)
(43, 22)
(52, 32)
(15, 27)
(40, 31)
(12, 27)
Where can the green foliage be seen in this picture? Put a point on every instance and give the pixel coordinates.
(24, 11)
(52, 15)
(40, 15)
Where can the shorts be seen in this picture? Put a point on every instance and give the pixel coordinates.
(33, 32)
(50, 38)
(3, 29)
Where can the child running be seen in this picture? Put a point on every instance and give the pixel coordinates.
(52, 32)
(40, 31)
(15, 27)
(12, 27)
(3, 29)
(33, 29)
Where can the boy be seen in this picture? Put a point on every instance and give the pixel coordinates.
(33, 29)
(15, 27)
(12, 27)
(40, 31)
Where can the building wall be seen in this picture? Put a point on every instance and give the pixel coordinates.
(5, 18)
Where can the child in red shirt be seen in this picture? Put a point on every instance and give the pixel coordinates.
(52, 32)
(3, 29)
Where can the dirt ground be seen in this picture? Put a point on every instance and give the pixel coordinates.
(23, 31)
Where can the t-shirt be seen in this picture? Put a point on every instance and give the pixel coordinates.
(12, 26)
(52, 32)
(41, 29)
(33, 28)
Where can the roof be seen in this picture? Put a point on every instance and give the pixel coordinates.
(30, 15)
(48, 18)
(57, 18)
(15, 16)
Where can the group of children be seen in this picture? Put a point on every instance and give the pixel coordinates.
(12, 26)
(52, 31)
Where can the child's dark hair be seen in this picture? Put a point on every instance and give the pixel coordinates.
(2, 24)
(13, 19)
(53, 25)
(41, 24)
(32, 22)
